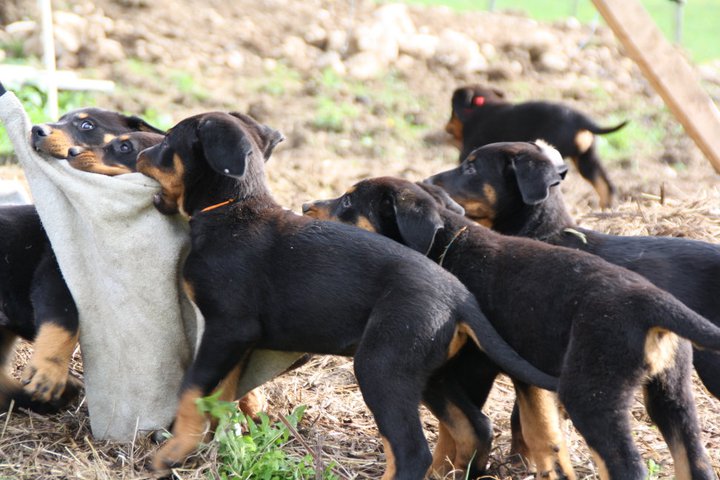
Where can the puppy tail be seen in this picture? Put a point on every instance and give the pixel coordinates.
(476, 325)
(686, 323)
(603, 130)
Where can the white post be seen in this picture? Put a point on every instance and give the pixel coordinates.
(679, 21)
(48, 43)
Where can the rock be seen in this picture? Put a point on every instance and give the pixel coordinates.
(316, 36)
(235, 60)
(338, 41)
(331, 60)
(378, 40)
(365, 66)
(298, 53)
(553, 62)
(395, 17)
(419, 45)
(460, 53)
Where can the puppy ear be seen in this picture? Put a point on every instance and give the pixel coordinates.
(138, 124)
(534, 177)
(462, 102)
(270, 137)
(267, 137)
(226, 147)
(418, 220)
(442, 197)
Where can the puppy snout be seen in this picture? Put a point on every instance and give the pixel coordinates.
(40, 131)
(306, 207)
(75, 151)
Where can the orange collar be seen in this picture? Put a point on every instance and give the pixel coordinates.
(217, 205)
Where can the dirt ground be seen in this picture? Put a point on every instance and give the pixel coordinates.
(187, 56)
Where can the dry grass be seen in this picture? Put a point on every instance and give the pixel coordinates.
(337, 426)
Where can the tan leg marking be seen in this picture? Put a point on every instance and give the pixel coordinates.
(444, 452)
(584, 140)
(253, 402)
(542, 432)
(603, 191)
(458, 341)
(660, 348)
(46, 374)
(189, 430)
(390, 467)
(463, 435)
(600, 464)
(681, 461)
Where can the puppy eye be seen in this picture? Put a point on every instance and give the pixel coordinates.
(87, 125)
(126, 147)
(469, 169)
(346, 202)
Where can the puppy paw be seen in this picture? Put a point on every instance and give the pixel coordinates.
(174, 453)
(253, 403)
(45, 381)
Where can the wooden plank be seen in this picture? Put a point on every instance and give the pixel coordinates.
(667, 71)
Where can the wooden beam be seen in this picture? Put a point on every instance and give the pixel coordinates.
(667, 71)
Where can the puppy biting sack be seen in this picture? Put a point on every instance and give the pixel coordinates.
(121, 260)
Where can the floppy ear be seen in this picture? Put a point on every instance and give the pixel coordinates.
(417, 220)
(226, 147)
(268, 137)
(140, 125)
(442, 197)
(534, 177)
(462, 102)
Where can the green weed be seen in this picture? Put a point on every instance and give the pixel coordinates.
(332, 115)
(278, 80)
(187, 85)
(249, 450)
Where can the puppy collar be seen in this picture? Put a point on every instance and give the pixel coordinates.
(217, 205)
(447, 247)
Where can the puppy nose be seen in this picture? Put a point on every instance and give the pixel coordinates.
(306, 207)
(75, 151)
(429, 181)
(40, 131)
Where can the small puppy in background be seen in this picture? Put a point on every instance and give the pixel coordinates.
(481, 115)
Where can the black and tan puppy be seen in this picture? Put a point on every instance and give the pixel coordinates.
(264, 277)
(497, 194)
(35, 304)
(513, 188)
(481, 115)
(603, 330)
(85, 127)
(116, 157)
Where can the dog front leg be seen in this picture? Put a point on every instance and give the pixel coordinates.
(218, 354)
(541, 430)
